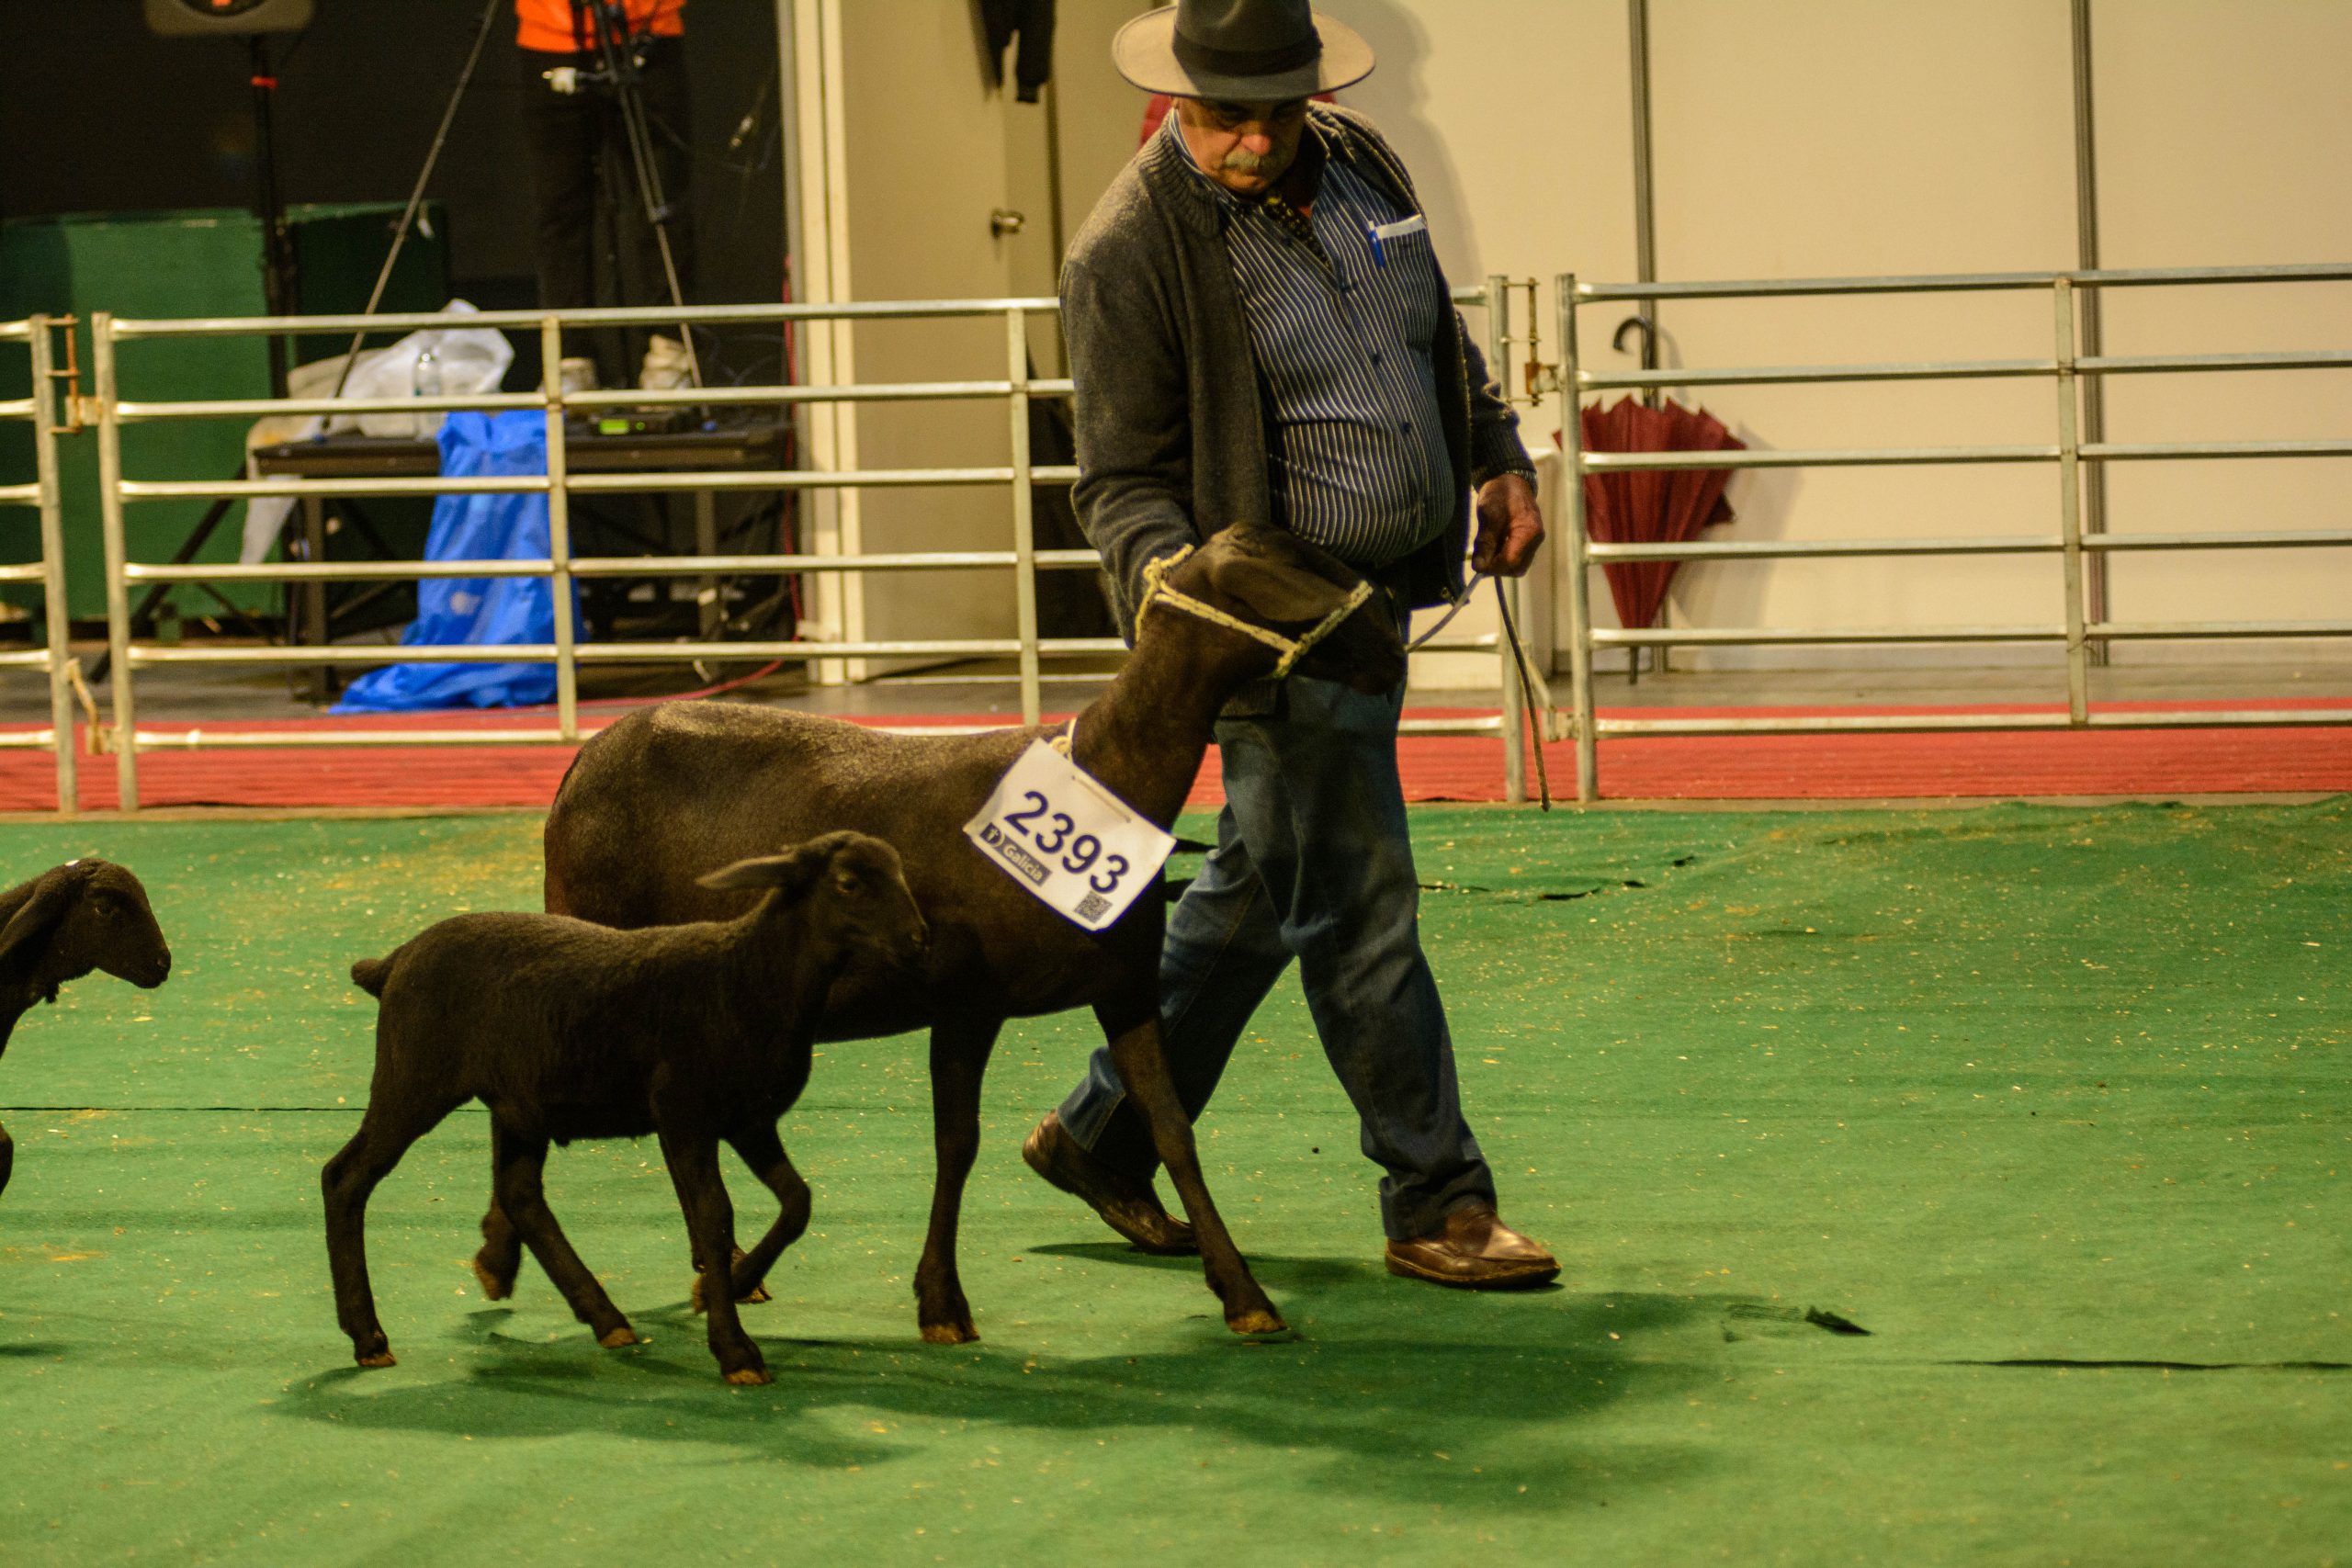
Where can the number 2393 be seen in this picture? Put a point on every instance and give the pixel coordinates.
(1052, 837)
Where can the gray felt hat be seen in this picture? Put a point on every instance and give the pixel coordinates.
(1245, 50)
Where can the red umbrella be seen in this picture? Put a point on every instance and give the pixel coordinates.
(1652, 506)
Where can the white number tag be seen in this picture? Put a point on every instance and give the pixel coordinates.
(1055, 830)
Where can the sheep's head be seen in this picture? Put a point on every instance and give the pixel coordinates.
(87, 914)
(856, 882)
(1273, 578)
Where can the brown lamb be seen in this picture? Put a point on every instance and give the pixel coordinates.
(87, 914)
(697, 1033)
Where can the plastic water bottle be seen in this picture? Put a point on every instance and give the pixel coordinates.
(425, 382)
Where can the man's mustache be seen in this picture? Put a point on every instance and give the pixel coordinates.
(1241, 161)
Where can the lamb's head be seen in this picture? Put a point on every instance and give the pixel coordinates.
(1276, 581)
(852, 884)
(87, 914)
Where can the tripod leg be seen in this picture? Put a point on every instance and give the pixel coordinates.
(621, 65)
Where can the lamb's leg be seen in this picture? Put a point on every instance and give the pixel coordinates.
(501, 1258)
(756, 1294)
(692, 1154)
(7, 1146)
(393, 1121)
(518, 1158)
(1143, 1066)
(763, 1152)
(959, 1055)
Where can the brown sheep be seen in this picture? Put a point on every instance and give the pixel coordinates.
(673, 788)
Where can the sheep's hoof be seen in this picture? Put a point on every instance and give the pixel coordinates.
(376, 1359)
(750, 1377)
(1257, 1322)
(756, 1294)
(949, 1332)
(617, 1338)
(493, 1287)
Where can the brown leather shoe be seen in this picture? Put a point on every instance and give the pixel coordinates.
(1126, 1205)
(1474, 1251)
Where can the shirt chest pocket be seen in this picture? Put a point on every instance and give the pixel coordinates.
(1397, 237)
(1404, 275)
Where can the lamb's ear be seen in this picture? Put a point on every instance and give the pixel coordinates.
(28, 929)
(792, 871)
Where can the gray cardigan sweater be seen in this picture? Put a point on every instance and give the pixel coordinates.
(1171, 417)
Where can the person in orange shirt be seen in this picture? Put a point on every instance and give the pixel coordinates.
(579, 144)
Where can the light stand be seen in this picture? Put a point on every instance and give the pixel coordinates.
(281, 283)
(616, 49)
(416, 192)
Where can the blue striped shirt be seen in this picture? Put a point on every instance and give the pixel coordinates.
(1356, 446)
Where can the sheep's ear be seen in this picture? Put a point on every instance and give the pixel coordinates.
(28, 929)
(792, 871)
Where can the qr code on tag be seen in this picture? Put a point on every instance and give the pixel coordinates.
(1093, 907)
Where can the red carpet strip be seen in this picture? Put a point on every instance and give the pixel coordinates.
(2309, 758)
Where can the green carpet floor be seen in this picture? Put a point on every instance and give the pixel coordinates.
(2052, 1103)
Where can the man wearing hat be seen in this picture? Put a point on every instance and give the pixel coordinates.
(1259, 332)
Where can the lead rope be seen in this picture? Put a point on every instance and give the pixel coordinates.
(1519, 663)
(1527, 689)
(1447, 619)
(1157, 591)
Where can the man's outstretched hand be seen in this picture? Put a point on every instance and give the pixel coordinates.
(1509, 528)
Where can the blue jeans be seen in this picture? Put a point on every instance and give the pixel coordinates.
(1312, 863)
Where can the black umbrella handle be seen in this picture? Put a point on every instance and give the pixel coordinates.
(1647, 327)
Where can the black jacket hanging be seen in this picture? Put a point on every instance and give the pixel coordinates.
(1033, 22)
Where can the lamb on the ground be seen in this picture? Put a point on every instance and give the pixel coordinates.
(670, 789)
(567, 1029)
(87, 914)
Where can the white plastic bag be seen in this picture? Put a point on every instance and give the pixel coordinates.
(449, 361)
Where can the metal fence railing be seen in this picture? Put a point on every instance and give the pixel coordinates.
(131, 655)
(2073, 628)
(54, 656)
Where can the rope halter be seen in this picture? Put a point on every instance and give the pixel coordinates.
(1292, 649)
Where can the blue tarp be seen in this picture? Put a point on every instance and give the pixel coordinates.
(477, 610)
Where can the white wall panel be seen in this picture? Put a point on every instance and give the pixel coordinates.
(1792, 137)
(2226, 134)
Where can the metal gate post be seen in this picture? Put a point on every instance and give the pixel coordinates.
(1514, 707)
(118, 675)
(2070, 506)
(1024, 510)
(2088, 337)
(57, 613)
(567, 662)
(1579, 591)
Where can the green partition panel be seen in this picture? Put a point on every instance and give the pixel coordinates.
(175, 265)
